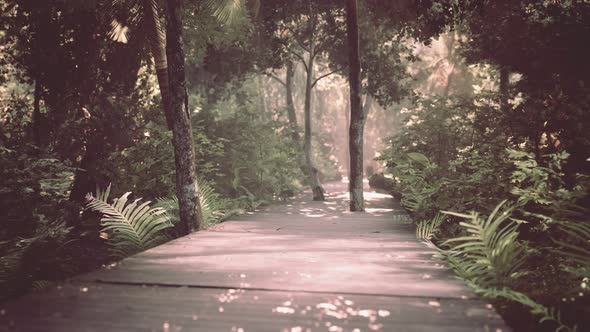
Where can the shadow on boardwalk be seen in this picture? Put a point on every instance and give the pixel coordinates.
(301, 266)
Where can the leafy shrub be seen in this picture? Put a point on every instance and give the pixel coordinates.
(533, 248)
(33, 187)
(40, 257)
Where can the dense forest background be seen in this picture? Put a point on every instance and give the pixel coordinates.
(477, 116)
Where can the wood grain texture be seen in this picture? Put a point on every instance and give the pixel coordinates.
(301, 266)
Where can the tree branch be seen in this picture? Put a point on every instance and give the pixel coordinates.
(299, 56)
(276, 78)
(324, 75)
(298, 39)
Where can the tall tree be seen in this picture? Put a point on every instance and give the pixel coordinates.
(187, 187)
(357, 115)
(307, 30)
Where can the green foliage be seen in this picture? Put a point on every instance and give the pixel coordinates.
(257, 159)
(490, 255)
(462, 156)
(533, 182)
(427, 230)
(446, 157)
(417, 179)
(546, 314)
(130, 228)
(33, 187)
(28, 261)
(213, 207)
(147, 167)
(576, 249)
(541, 190)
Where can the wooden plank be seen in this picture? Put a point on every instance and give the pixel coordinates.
(104, 307)
(370, 264)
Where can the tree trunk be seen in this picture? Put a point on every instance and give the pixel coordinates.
(261, 99)
(37, 115)
(187, 187)
(504, 80)
(157, 44)
(357, 116)
(312, 172)
(293, 126)
(451, 61)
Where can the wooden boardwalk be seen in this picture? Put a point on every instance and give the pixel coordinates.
(303, 266)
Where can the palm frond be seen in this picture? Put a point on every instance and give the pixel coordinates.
(118, 32)
(132, 227)
(226, 11)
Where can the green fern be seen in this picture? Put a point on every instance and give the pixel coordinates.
(170, 205)
(211, 205)
(492, 254)
(428, 229)
(132, 227)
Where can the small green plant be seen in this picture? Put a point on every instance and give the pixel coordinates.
(129, 228)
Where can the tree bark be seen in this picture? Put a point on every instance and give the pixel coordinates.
(357, 116)
(157, 44)
(187, 187)
(312, 172)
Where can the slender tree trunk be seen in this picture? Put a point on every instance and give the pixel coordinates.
(357, 116)
(157, 44)
(37, 114)
(187, 187)
(291, 114)
(347, 125)
(447, 90)
(504, 78)
(312, 172)
(294, 128)
(451, 60)
(261, 99)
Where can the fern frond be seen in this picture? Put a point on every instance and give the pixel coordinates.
(427, 229)
(491, 254)
(132, 227)
(211, 205)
